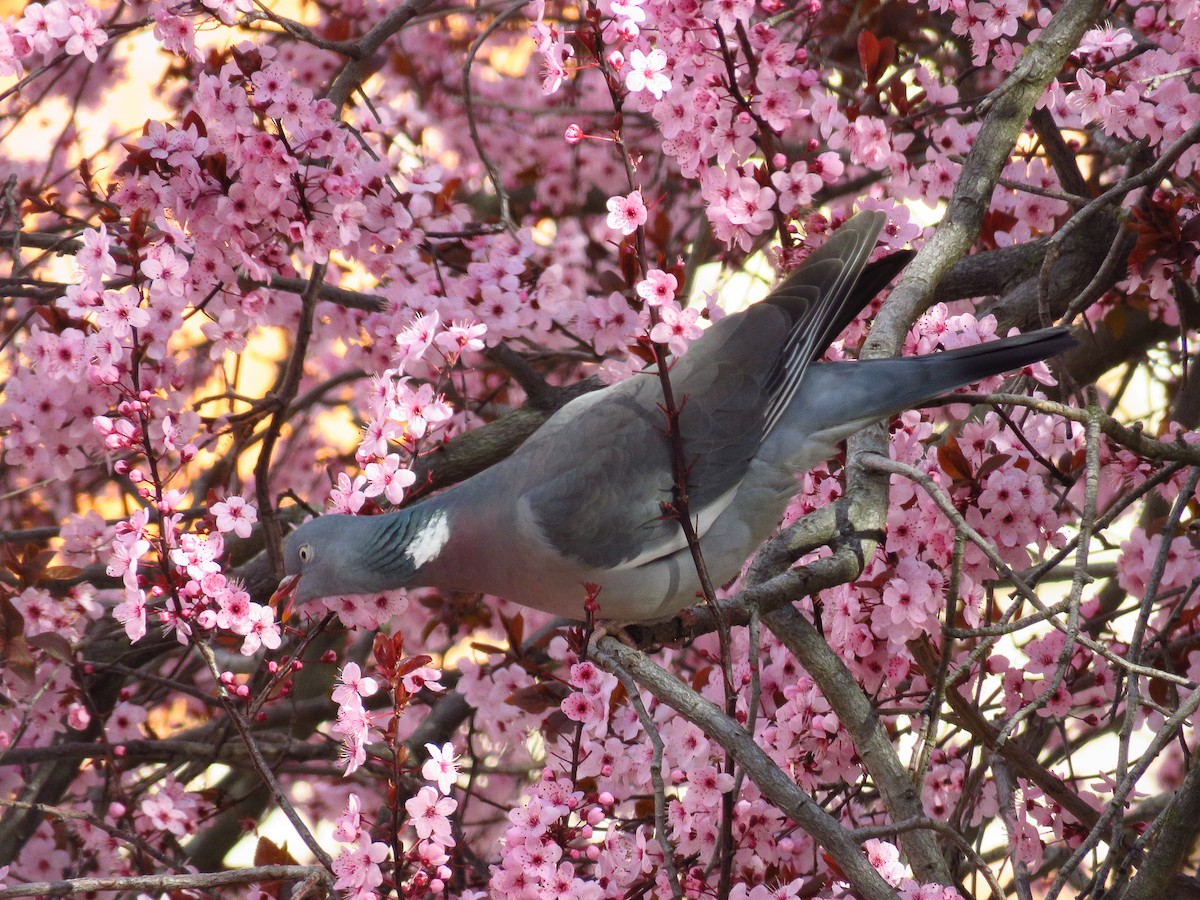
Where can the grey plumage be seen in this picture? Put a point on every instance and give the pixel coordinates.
(580, 502)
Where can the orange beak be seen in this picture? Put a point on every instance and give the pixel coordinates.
(284, 593)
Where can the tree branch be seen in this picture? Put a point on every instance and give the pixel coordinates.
(164, 883)
(775, 785)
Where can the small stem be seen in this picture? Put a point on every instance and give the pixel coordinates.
(656, 778)
(260, 764)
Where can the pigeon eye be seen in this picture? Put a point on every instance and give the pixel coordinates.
(306, 553)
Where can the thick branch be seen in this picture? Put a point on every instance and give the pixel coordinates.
(164, 883)
(775, 785)
(1176, 831)
(871, 740)
(363, 61)
(1008, 109)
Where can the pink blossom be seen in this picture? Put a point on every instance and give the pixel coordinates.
(34, 26)
(352, 684)
(125, 722)
(263, 630)
(586, 677)
(354, 723)
(554, 65)
(1107, 39)
(79, 31)
(750, 206)
(626, 214)
(122, 311)
(706, 785)
(645, 73)
(235, 514)
(1090, 100)
(442, 766)
(347, 496)
(234, 610)
(348, 827)
(796, 187)
(163, 265)
(658, 287)
(94, 258)
(418, 410)
(357, 867)
(171, 809)
(228, 334)
(178, 432)
(869, 141)
(227, 10)
(14, 47)
(127, 551)
(78, 716)
(729, 12)
(83, 536)
(177, 34)
(885, 858)
(677, 328)
(389, 478)
(578, 707)
(197, 554)
(427, 812)
(461, 337)
(423, 678)
(609, 323)
(630, 10)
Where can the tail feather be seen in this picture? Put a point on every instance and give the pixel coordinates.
(830, 288)
(911, 381)
(821, 297)
(948, 371)
(839, 398)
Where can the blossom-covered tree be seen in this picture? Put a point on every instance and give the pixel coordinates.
(271, 259)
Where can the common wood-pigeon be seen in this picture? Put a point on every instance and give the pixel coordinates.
(581, 502)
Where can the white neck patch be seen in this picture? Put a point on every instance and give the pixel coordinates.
(429, 541)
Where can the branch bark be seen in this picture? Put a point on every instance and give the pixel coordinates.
(162, 883)
(854, 710)
(775, 785)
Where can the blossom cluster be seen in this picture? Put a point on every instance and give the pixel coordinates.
(44, 30)
(267, 293)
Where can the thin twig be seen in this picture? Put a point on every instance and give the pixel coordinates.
(891, 467)
(260, 764)
(1006, 793)
(761, 769)
(506, 220)
(1122, 790)
(661, 834)
(289, 385)
(1086, 524)
(166, 883)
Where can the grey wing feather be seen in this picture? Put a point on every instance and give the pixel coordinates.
(598, 473)
(595, 479)
(816, 295)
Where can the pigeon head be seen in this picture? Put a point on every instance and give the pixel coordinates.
(324, 558)
(335, 555)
